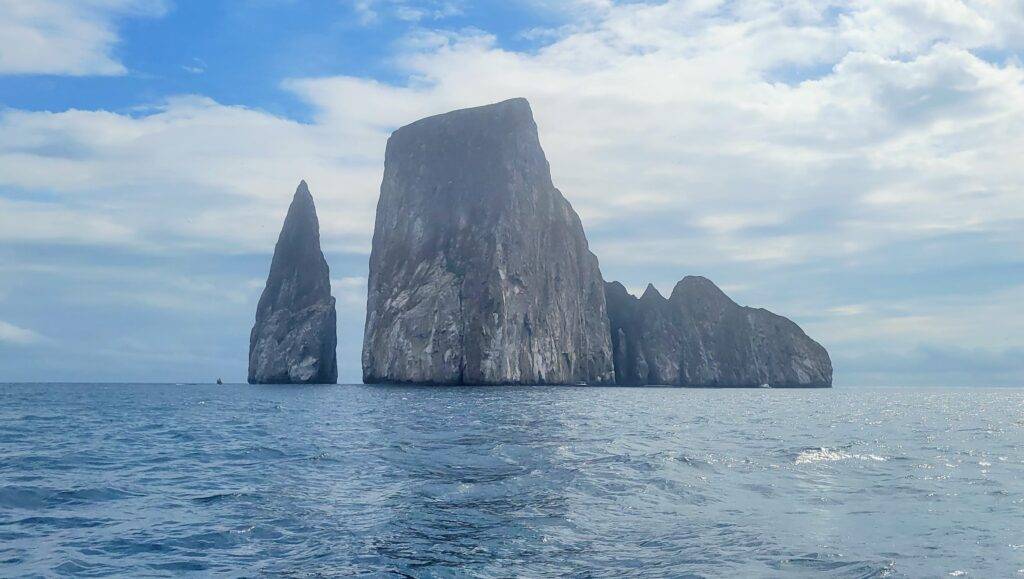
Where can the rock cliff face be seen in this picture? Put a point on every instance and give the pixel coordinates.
(295, 335)
(699, 337)
(480, 272)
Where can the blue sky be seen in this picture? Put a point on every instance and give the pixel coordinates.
(855, 166)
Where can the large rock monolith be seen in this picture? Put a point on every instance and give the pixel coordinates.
(480, 271)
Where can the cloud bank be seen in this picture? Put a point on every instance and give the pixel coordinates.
(793, 151)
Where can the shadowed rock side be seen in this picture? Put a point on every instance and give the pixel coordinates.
(699, 337)
(295, 335)
(480, 272)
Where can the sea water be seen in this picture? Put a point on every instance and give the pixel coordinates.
(133, 480)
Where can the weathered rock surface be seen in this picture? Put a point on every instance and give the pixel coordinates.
(480, 272)
(699, 337)
(295, 335)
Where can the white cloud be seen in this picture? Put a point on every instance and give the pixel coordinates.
(11, 334)
(24, 221)
(350, 282)
(366, 11)
(185, 176)
(849, 310)
(65, 37)
(350, 292)
(971, 320)
(895, 27)
(196, 66)
(371, 12)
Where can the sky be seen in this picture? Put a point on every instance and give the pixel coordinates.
(857, 166)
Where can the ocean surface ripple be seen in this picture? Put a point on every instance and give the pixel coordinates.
(142, 480)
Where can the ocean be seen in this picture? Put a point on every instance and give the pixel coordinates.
(141, 480)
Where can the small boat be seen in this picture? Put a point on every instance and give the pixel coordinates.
(220, 382)
(766, 385)
(580, 383)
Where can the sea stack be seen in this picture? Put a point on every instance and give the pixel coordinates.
(295, 335)
(480, 272)
(699, 337)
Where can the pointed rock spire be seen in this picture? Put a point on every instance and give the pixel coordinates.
(652, 293)
(295, 335)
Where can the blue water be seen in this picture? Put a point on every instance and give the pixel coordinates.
(249, 480)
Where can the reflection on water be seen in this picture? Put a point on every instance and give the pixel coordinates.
(135, 479)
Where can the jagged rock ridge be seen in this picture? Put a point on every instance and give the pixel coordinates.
(699, 337)
(295, 335)
(480, 272)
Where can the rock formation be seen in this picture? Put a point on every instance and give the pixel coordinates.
(295, 335)
(480, 272)
(699, 337)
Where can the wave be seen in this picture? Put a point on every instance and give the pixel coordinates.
(824, 454)
(224, 496)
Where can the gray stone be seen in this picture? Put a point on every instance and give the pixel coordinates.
(480, 271)
(295, 335)
(699, 337)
